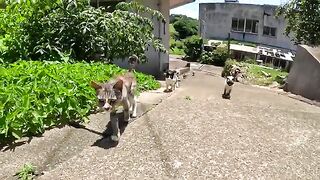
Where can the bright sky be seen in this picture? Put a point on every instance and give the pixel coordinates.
(192, 9)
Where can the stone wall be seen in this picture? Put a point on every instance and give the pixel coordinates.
(304, 77)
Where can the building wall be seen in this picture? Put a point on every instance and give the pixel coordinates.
(216, 19)
(304, 77)
(157, 62)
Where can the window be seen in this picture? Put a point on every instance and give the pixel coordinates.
(269, 31)
(252, 26)
(234, 25)
(245, 25)
(237, 24)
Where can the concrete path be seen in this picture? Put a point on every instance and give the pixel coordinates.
(192, 134)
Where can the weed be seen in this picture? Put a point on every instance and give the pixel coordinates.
(26, 172)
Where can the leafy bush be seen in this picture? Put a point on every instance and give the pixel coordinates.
(51, 29)
(217, 57)
(37, 95)
(173, 33)
(250, 61)
(186, 26)
(228, 66)
(303, 24)
(193, 47)
(176, 47)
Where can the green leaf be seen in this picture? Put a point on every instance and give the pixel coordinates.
(16, 133)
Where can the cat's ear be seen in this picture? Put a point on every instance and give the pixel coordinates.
(118, 85)
(95, 85)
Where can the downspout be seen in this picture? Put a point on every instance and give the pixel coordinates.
(159, 35)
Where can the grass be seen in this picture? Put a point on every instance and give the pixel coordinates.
(177, 51)
(256, 75)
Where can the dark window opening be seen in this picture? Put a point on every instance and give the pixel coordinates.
(252, 26)
(241, 25)
(269, 31)
(234, 24)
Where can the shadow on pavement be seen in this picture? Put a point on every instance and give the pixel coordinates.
(106, 142)
(11, 145)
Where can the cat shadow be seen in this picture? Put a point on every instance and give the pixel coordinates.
(105, 142)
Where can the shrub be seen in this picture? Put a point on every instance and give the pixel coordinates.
(206, 57)
(193, 47)
(228, 66)
(217, 57)
(186, 26)
(38, 95)
(173, 33)
(51, 29)
(250, 61)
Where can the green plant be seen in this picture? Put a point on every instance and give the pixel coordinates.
(188, 98)
(37, 95)
(50, 29)
(26, 172)
(193, 47)
(173, 33)
(185, 26)
(281, 79)
(256, 75)
(228, 67)
(303, 17)
(250, 61)
(176, 47)
(217, 57)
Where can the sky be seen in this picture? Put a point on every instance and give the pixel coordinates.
(192, 9)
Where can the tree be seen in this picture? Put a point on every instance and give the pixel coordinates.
(303, 20)
(55, 29)
(175, 17)
(185, 26)
(193, 47)
(2, 4)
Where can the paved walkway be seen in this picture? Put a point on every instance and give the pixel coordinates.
(192, 134)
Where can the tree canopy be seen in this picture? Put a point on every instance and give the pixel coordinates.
(185, 26)
(303, 20)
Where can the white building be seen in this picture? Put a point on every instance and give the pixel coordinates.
(158, 62)
(244, 22)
